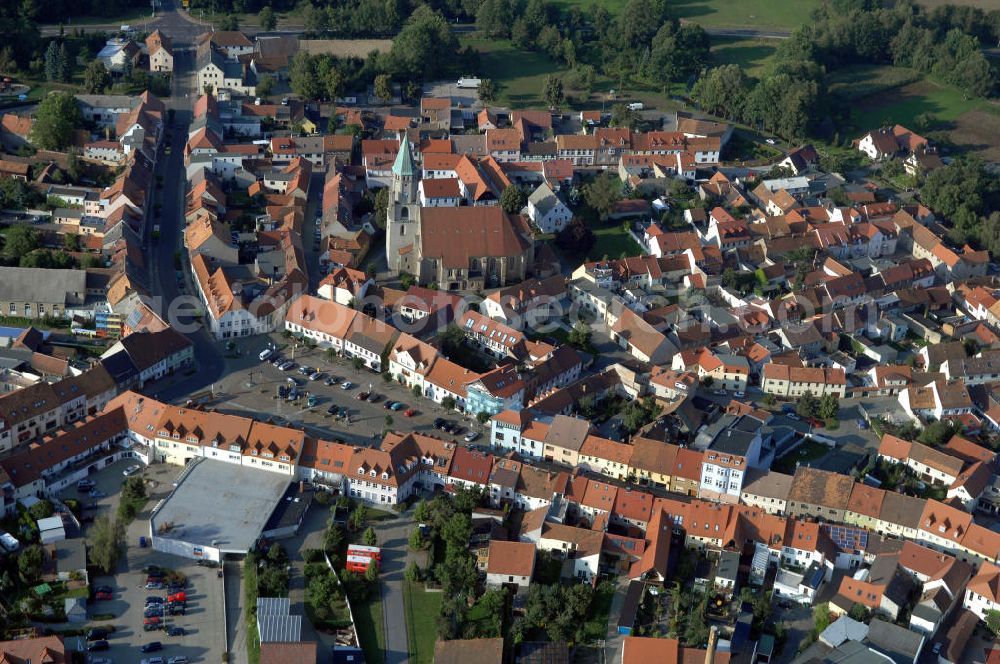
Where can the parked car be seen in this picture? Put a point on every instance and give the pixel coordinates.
(361, 396)
(346, 385)
(174, 630)
(179, 659)
(154, 600)
(152, 660)
(373, 398)
(98, 646)
(397, 405)
(285, 366)
(305, 371)
(316, 375)
(792, 416)
(471, 436)
(85, 486)
(152, 627)
(388, 404)
(152, 646)
(740, 394)
(409, 412)
(331, 380)
(99, 595)
(154, 585)
(439, 423)
(153, 612)
(97, 634)
(312, 400)
(332, 410)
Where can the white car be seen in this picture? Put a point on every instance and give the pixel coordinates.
(179, 659)
(99, 660)
(132, 470)
(770, 141)
(346, 385)
(740, 395)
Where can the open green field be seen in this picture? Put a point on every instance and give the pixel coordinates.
(754, 56)
(764, 14)
(422, 610)
(866, 80)
(520, 75)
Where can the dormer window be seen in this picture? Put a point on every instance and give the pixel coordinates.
(372, 473)
(361, 471)
(385, 476)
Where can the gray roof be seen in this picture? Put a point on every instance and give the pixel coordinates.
(71, 555)
(35, 284)
(729, 566)
(567, 432)
(543, 199)
(280, 629)
(768, 485)
(106, 101)
(898, 643)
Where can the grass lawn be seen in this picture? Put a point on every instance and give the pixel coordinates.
(864, 80)
(612, 241)
(371, 628)
(422, 610)
(753, 55)
(518, 86)
(764, 14)
(128, 17)
(945, 103)
(808, 451)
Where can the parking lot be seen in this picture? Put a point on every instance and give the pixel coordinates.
(255, 389)
(204, 619)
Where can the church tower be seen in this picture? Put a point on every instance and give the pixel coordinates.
(403, 214)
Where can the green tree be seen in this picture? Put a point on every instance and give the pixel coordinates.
(513, 199)
(29, 563)
(937, 433)
(96, 77)
(314, 19)
(424, 48)
(388, 422)
(383, 87)
(482, 417)
(265, 84)
(579, 336)
(448, 403)
(858, 612)
(821, 618)
(552, 91)
(43, 509)
(357, 363)
(807, 405)
(56, 118)
(64, 65)
(603, 192)
(828, 407)
(416, 540)
(19, 240)
(52, 61)
(71, 242)
(452, 339)
(268, 21)
(228, 22)
(107, 539)
(412, 571)
(371, 574)
(487, 91)
(369, 537)
(993, 621)
(622, 115)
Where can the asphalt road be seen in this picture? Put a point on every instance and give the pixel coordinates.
(393, 536)
(163, 281)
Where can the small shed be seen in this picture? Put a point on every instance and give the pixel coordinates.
(51, 529)
(76, 609)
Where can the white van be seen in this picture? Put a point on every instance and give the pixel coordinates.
(9, 542)
(636, 106)
(266, 353)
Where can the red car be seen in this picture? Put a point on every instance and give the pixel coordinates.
(816, 423)
(103, 595)
(409, 412)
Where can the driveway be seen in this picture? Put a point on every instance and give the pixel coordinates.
(393, 537)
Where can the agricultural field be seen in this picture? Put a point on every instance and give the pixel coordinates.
(754, 56)
(969, 124)
(345, 48)
(762, 14)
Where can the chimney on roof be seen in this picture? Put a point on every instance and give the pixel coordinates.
(713, 636)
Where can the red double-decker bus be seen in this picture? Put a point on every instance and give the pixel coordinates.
(372, 552)
(358, 563)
